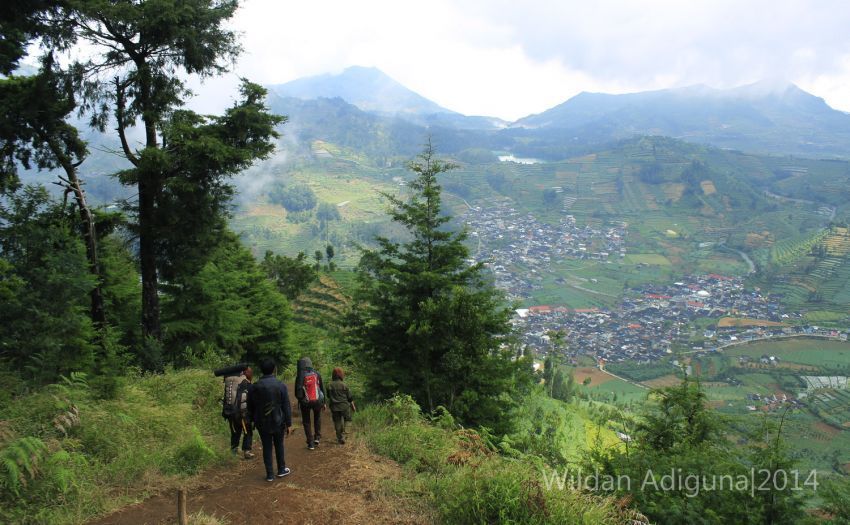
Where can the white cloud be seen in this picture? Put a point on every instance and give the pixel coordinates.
(509, 59)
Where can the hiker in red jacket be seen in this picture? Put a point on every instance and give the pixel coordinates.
(309, 391)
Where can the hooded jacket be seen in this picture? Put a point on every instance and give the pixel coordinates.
(305, 364)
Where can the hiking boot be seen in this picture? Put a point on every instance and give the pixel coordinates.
(341, 441)
(234, 451)
(284, 472)
(249, 455)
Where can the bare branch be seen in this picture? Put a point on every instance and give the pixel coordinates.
(119, 116)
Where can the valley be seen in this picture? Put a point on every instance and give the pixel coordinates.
(652, 256)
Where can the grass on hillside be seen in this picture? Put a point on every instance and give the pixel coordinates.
(804, 351)
(459, 477)
(69, 455)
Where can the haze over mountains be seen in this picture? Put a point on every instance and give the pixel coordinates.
(766, 117)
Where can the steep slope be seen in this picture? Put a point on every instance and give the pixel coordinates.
(762, 117)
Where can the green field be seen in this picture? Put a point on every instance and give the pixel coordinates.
(647, 258)
(617, 390)
(803, 351)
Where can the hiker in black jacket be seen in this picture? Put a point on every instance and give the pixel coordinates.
(268, 402)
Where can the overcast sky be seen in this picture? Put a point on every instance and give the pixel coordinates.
(510, 59)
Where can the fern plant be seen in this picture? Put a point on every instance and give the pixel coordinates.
(20, 461)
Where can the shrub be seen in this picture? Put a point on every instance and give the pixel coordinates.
(193, 456)
(461, 477)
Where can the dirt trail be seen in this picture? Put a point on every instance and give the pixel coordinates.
(332, 484)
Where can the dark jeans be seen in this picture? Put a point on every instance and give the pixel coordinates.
(316, 412)
(339, 423)
(274, 439)
(237, 429)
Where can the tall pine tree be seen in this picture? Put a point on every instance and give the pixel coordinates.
(146, 49)
(431, 326)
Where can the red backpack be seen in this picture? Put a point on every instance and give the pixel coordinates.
(312, 392)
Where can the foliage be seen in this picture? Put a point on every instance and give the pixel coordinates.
(430, 325)
(291, 274)
(20, 460)
(144, 51)
(118, 448)
(835, 494)
(199, 155)
(327, 212)
(461, 477)
(678, 434)
(230, 304)
(45, 329)
(34, 132)
(293, 197)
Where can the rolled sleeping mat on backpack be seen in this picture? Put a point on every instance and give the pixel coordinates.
(228, 371)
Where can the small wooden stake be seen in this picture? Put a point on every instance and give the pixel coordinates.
(182, 516)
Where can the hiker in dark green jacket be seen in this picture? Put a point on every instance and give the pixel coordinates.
(341, 403)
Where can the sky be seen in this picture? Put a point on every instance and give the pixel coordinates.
(510, 59)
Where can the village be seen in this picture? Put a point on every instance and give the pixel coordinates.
(652, 321)
(507, 239)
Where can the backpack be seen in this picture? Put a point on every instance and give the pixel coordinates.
(312, 393)
(230, 407)
(242, 399)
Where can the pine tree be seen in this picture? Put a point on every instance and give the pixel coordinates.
(45, 329)
(431, 325)
(143, 50)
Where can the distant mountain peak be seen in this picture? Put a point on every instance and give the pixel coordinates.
(368, 88)
(772, 115)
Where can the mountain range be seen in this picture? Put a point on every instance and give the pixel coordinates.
(766, 117)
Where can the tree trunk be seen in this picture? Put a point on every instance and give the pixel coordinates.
(147, 259)
(98, 311)
(148, 189)
(73, 184)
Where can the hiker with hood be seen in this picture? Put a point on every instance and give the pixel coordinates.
(268, 403)
(236, 411)
(309, 391)
(341, 403)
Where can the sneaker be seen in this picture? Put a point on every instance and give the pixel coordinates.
(311, 447)
(249, 454)
(234, 451)
(316, 443)
(284, 472)
(341, 441)
(269, 478)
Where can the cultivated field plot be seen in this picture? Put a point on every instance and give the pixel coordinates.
(727, 322)
(832, 406)
(804, 351)
(597, 377)
(663, 381)
(647, 258)
(617, 390)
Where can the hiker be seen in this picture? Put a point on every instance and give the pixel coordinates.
(341, 403)
(309, 391)
(268, 403)
(236, 396)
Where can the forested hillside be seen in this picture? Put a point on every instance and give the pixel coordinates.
(128, 282)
